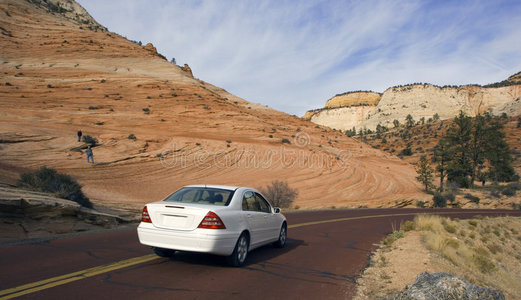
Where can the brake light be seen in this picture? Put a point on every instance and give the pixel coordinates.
(145, 217)
(212, 221)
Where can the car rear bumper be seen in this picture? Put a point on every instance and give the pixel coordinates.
(215, 241)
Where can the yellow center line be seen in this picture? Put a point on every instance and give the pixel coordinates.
(63, 279)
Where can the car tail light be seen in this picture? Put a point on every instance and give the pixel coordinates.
(212, 221)
(145, 217)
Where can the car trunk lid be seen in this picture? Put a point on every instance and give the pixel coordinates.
(175, 216)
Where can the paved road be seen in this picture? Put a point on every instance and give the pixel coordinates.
(325, 253)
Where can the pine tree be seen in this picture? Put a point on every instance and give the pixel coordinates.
(409, 121)
(498, 154)
(443, 156)
(469, 146)
(477, 145)
(425, 173)
(459, 136)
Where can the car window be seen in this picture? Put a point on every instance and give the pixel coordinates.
(249, 203)
(188, 196)
(202, 195)
(264, 206)
(254, 202)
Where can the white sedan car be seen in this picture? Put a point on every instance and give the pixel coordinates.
(222, 220)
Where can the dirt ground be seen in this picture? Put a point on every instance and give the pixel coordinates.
(393, 269)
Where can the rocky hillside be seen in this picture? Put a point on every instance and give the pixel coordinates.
(159, 128)
(28, 214)
(419, 100)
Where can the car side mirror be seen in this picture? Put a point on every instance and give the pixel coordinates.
(277, 210)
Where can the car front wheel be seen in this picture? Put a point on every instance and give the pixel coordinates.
(281, 242)
(240, 252)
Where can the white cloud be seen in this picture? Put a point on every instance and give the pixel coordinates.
(294, 55)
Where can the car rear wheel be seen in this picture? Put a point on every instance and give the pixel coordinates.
(240, 252)
(163, 252)
(281, 242)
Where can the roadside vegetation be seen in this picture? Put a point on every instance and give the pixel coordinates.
(49, 180)
(483, 251)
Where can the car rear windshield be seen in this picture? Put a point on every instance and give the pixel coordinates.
(202, 195)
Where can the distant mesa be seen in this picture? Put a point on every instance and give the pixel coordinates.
(421, 100)
(354, 99)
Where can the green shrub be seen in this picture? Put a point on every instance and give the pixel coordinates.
(406, 152)
(439, 200)
(391, 238)
(508, 191)
(450, 196)
(50, 181)
(515, 185)
(472, 198)
(90, 140)
(408, 226)
(495, 193)
(132, 137)
(285, 141)
(484, 264)
(146, 110)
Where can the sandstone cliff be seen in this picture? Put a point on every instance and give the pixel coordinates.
(345, 111)
(420, 100)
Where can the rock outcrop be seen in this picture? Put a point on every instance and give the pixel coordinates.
(70, 10)
(420, 101)
(445, 286)
(188, 70)
(28, 214)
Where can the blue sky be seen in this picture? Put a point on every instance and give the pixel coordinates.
(295, 55)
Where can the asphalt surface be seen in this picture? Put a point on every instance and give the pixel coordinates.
(325, 253)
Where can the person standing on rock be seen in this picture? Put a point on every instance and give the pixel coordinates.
(79, 135)
(89, 154)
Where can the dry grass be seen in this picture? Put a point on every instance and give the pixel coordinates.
(483, 251)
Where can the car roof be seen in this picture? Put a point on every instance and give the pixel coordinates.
(216, 186)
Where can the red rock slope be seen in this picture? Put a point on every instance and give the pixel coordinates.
(60, 75)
